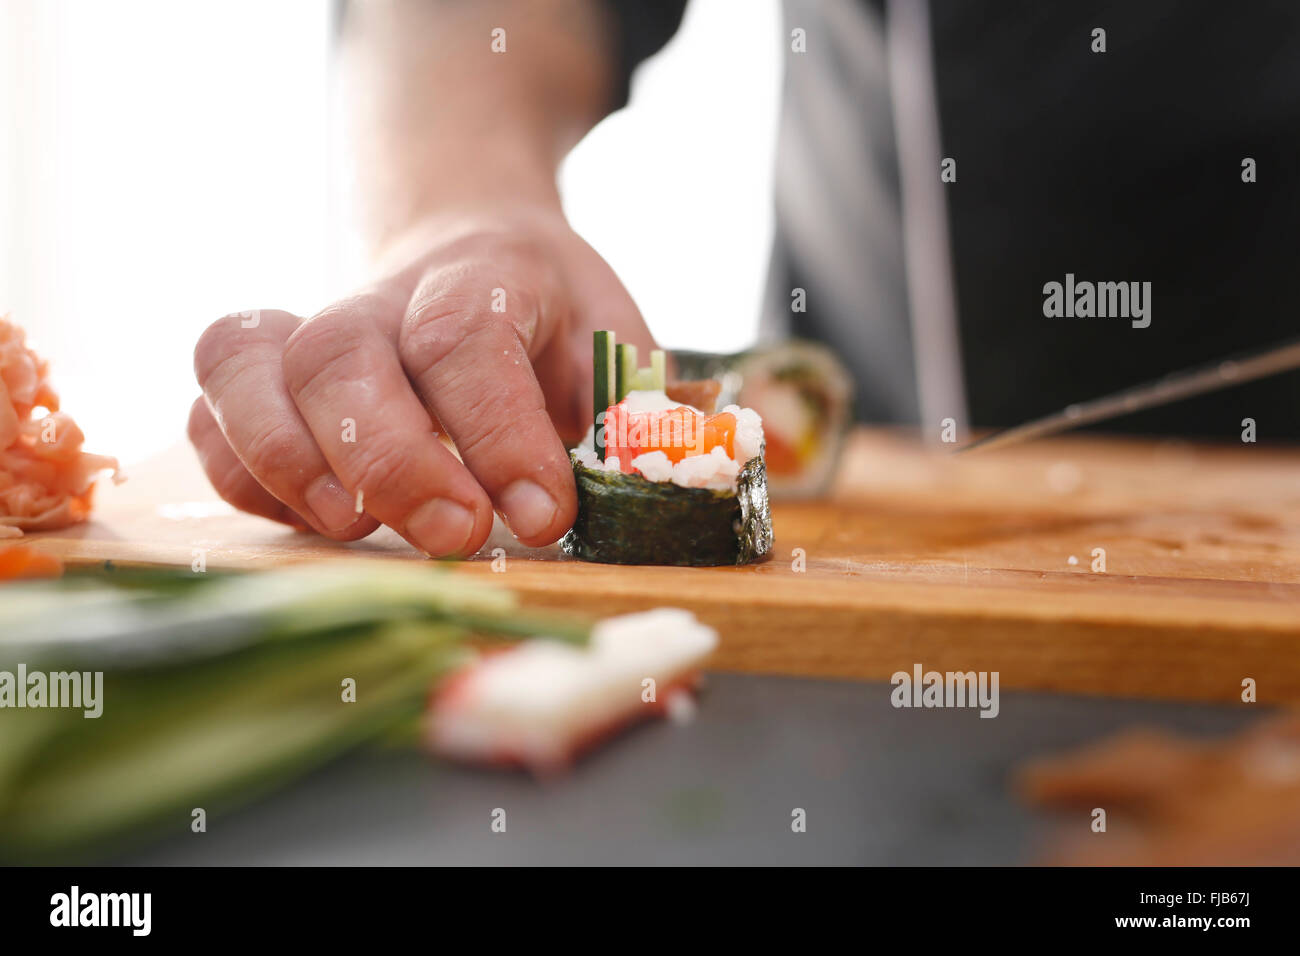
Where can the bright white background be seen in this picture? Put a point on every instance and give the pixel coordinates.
(163, 162)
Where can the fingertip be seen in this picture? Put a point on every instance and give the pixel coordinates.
(484, 519)
(536, 515)
(445, 528)
(363, 526)
(196, 426)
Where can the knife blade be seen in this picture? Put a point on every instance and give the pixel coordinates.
(1173, 387)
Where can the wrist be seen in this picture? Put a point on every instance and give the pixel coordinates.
(498, 211)
(500, 172)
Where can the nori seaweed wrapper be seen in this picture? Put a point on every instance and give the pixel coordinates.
(627, 519)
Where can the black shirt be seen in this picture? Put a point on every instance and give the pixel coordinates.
(1122, 166)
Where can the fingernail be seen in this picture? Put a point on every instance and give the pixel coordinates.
(528, 509)
(441, 527)
(331, 504)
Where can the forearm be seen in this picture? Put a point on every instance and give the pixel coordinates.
(443, 122)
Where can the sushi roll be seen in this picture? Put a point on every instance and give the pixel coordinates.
(805, 396)
(661, 481)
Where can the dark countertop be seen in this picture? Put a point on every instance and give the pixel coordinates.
(879, 785)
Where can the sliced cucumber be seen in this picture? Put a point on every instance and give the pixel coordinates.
(626, 371)
(602, 351)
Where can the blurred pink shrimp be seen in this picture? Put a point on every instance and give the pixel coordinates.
(46, 480)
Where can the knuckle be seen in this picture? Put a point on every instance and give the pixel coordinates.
(376, 466)
(441, 328)
(317, 352)
(273, 449)
(484, 443)
(507, 424)
(224, 340)
(214, 346)
(231, 484)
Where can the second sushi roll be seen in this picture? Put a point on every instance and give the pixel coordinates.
(661, 480)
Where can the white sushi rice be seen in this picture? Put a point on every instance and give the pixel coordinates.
(749, 432)
(538, 703)
(654, 466)
(713, 469)
(638, 402)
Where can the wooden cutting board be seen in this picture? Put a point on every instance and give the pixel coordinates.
(992, 562)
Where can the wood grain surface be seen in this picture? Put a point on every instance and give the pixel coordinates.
(962, 563)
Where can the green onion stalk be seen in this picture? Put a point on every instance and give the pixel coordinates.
(218, 688)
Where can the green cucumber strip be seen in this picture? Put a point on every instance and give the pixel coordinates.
(602, 354)
(626, 370)
(644, 380)
(658, 370)
(197, 713)
(225, 743)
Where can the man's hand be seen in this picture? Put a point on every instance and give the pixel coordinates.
(485, 335)
(482, 325)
